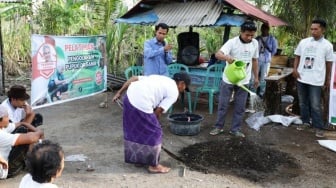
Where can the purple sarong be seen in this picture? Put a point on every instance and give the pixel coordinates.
(142, 136)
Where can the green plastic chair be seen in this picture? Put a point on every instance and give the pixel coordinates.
(211, 84)
(175, 68)
(133, 71)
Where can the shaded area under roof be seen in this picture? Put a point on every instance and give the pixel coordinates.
(196, 13)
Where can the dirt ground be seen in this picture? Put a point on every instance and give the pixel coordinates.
(82, 127)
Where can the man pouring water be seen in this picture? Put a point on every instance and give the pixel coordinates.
(244, 48)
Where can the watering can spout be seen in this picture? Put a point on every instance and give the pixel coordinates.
(249, 91)
(235, 72)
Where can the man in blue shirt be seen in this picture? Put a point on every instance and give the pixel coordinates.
(268, 46)
(157, 54)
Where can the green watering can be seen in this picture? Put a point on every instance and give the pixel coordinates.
(236, 72)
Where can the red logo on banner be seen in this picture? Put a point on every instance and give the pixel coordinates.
(46, 60)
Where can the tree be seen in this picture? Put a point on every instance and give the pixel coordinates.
(59, 17)
(300, 13)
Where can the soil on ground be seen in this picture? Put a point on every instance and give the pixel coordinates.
(242, 158)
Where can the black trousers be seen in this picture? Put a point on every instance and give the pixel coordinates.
(17, 155)
(16, 158)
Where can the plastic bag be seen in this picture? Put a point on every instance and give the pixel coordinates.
(256, 120)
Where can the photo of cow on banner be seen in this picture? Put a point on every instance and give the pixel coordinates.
(67, 68)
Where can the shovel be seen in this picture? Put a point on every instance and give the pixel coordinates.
(120, 104)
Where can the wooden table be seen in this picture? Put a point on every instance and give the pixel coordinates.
(274, 91)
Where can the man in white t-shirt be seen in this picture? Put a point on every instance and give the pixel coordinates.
(14, 142)
(18, 109)
(244, 48)
(146, 99)
(312, 69)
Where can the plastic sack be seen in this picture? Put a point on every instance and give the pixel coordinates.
(256, 120)
(330, 144)
(287, 98)
(285, 120)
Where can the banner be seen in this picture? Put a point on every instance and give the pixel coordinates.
(332, 100)
(67, 68)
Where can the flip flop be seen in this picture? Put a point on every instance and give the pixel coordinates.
(159, 169)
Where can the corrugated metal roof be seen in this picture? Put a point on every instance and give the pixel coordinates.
(200, 13)
(255, 12)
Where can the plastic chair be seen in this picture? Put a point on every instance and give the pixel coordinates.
(133, 71)
(175, 68)
(211, 84)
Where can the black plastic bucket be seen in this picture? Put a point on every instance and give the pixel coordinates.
(185, 124)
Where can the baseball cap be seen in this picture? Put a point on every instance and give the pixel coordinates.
(3, 111)
(182, 76)
(18, 92)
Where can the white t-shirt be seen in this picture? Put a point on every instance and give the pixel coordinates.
(14, 114)
(28, 182)
(313, 56)
(152, 91)
(7, 140)
(243, 52)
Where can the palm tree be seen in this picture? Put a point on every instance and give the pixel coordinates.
(300, 14)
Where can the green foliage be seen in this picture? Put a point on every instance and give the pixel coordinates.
(59, 17)
(15, 35)
(299, 14)
(213, 39)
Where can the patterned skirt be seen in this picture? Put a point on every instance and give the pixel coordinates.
(142, 136)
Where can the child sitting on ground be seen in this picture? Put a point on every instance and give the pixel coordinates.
(15, 139)
(45, 163)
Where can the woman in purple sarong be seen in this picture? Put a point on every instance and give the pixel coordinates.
(147, 97)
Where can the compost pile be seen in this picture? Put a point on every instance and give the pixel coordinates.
(240, 157)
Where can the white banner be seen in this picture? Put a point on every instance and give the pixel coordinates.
(65, 68)
(332, 100)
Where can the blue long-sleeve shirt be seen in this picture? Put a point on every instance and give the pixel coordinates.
(156, 60)
(264, 54)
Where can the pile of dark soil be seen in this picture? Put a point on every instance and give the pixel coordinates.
(242, 158)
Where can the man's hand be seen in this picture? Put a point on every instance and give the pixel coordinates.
(296, 74)
(158, 112)
(41, 133)
(27, 108)
(327, 85)
(168, 47)
(256, 83)
(116, 97)
(229, 59)
(66, 81)
(3, 163)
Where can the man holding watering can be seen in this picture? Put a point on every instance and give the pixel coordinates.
(241, 56)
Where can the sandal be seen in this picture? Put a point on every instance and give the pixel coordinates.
(158, 169)
(330, 127)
